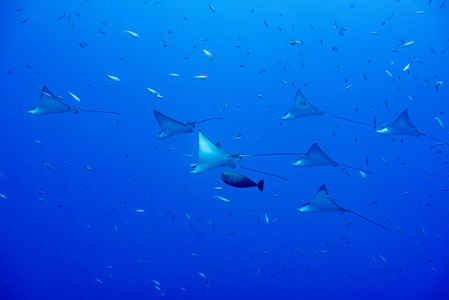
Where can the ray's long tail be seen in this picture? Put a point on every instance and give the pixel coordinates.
(349, 120)
(355, 168)
(98, 111)
(432, 138)
(278, 176)
(272, 154)
(351, 211)
(196, 122)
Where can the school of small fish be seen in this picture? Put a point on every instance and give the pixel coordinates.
(402, 65)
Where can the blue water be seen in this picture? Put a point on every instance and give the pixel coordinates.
(73, 233)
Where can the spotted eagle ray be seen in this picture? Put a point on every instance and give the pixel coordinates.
(324, 203)
(50, 104)
(316, 157)
(170, 127)
(303, 108)
(403, 126)
(211, 156)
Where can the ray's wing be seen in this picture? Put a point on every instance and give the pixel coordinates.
(303, 108)
(50, 104)
(314, 157)
(323, 202)
(210, 156)
(404, 126)
(170, 126)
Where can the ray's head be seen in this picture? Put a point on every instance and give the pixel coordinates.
(236, 157)
(299, 163)
(384, 131)
(305, 208)
(34, 110)
(162, 135)
(288, 116)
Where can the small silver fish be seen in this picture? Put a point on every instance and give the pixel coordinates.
(74, 97)
(408, 65)
(114, 78)
(211, 7)
(390, 75)
(208, 54)
(346, 87)
(362, 174)
(439, 122)
(133, 34)
(223, 199)
(406, 44)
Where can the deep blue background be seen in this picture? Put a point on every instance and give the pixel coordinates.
(47, 250)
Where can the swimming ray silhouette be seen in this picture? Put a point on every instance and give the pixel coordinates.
(170, 127)
(50, 104)
(303, 108)
(324, 203)
(210, 157)
(316, 157)
(403, 126)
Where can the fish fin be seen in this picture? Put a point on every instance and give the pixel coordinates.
(260, 185)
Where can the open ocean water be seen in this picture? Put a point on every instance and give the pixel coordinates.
(95, 206)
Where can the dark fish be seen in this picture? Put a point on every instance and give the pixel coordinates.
(240, 181)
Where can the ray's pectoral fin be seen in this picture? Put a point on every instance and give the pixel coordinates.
(50, 104)
(315, 157)
(324, 203)
(170, 127)
(210, 156)
(301, 108)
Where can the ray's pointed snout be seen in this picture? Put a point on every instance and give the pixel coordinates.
(383, 131)
(287, 116)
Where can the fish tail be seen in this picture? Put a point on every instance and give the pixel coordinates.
(260, 185)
